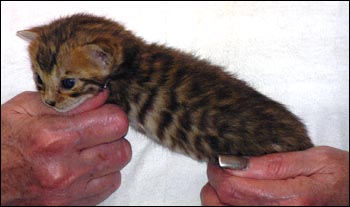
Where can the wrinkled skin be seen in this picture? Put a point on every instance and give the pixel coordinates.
(317, 176)
(50, 158)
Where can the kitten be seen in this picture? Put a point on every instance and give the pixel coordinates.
(178, 100)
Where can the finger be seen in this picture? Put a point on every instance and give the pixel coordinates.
(99, 189)
(91, 103)
(106, 158)
(105, 124)
(209, 197)
(87, 165)
(246, 191)
(280, 165)
(227, 188)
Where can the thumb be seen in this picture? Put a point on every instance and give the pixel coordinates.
(280, 165)
(30, 103)
(91, 103)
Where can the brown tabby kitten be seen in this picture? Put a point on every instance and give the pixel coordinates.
(178, 100)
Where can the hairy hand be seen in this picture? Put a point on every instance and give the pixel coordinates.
(50, 158)
(317, 176)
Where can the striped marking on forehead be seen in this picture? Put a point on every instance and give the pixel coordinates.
(46, 58)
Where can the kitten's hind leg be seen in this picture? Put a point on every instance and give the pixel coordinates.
(232, 162)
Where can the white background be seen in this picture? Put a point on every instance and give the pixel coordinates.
(295, 52)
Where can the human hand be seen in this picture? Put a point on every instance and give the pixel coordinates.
(317, 176)
(50, 158)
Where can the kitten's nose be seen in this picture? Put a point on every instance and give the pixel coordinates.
(50, 102)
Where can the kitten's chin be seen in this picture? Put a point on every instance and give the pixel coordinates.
(65, 109)
(71, 106)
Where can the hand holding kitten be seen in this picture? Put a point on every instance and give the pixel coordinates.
(50, 158)
(317, 176)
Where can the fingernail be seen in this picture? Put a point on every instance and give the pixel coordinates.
(233, 162)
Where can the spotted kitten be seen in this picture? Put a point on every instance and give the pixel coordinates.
(178, 100)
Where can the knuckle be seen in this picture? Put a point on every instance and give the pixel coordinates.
(47, 152)
(118, 119)
(226, 191)
(123, 154)
(204, 191)
(54, 176)
(117, 155)
(275, 166)
(127, 152)
(42, 137)
(40, 140)
(333, 159)
(116, 181)
(326, 154)
(47, 142)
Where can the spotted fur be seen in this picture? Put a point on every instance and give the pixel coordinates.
(180, 101)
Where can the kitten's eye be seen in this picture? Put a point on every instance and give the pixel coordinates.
(68, 83)
(38, 80)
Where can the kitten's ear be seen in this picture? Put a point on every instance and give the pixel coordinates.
(27, 35)
(100, 56)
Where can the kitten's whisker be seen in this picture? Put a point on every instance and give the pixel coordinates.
(94, 82)
(106, 83)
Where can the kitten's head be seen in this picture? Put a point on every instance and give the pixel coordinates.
(72, 58)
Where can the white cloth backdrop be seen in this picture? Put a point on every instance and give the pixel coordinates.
(295, 52)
